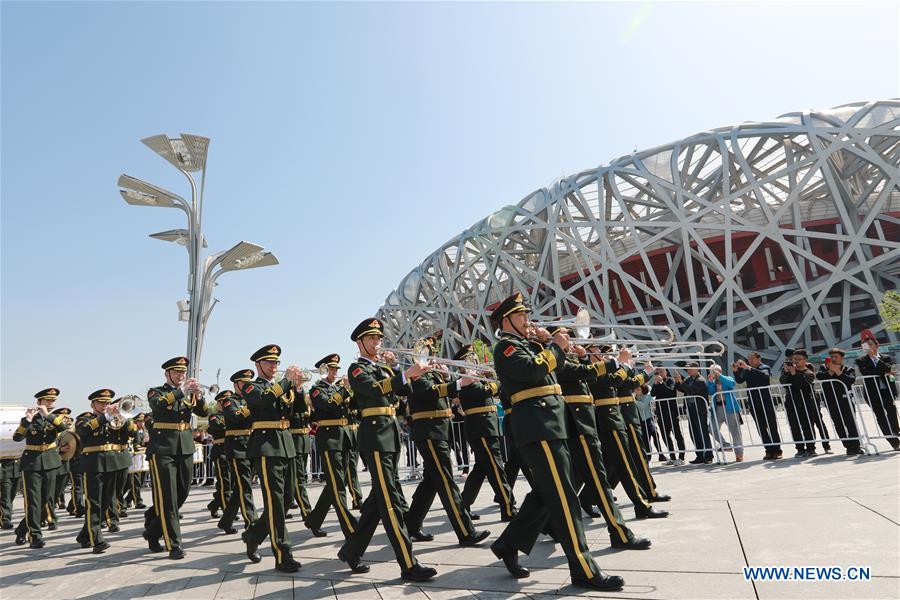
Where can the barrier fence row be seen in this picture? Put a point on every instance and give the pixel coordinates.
(719, 428)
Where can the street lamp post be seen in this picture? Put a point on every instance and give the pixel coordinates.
(188, 154)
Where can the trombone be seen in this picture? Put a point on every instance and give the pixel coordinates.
(582, 325)
(422, 357)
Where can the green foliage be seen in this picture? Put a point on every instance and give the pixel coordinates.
(890, 310)
(483, 351)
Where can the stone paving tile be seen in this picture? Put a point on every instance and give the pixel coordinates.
(400, 592)
(887, 588)
(885, 505)
(273, 587)
(439, 594)
(312, 589)
(359, 590)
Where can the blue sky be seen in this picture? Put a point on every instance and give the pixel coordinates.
(349, 139)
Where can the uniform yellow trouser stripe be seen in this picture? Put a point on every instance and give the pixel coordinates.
(87, 513)
(222, 500)
(237, 476)
(335, 493)
(496, 470)
(25, 501)
(350, 486)
(640, 453)
(565, 507)
(447, 490)
(607, 510)
(161, 513)
(269, 511)
(390, 509)
(627, 464)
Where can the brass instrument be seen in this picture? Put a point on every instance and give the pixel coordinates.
(118, 414)
(69, 445)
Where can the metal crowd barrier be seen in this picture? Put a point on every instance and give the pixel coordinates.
(794, 421)
(667, 417)
(877, 410)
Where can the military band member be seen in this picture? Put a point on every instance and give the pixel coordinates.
(625, 396)
(121, 437)
(483, 433)
(429, 406)
(137, 479)
(237, 438)
(351, 460)
(272, 447)
(296, 490)
(64, 475)
(374, 390)
(526, 370)
(584, 443)
(76, 506)
(98, 466)
(171, 448)
(615, 441)
(9, 484)
(216, 428)
(39, 464)
(330, 400)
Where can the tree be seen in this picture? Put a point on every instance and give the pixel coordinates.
(483, 351)
(890, 310)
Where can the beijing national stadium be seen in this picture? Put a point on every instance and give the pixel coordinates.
(764, 235)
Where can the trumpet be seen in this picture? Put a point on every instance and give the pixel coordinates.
(118, 414)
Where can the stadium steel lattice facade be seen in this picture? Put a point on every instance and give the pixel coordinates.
(763, 235)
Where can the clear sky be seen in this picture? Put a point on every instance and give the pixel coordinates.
(349, 139)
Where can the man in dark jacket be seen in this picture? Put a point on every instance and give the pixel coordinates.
(696, 395)
(665, 393)
(837, 381)
(801, 404)
(881, 389)
(758, 377)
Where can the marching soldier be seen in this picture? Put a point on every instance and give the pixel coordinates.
(625, 396)
(296, 491)
(526, 370)
(136, 479)
(584, 443)
(330, 401)
(120, 437)
(351, 460)
(216, 428)
(615, 442)
(39, 464)
(172, 448)
(272, 446)
(98, 466)
(483, 433)
(430, 431)
(237, 437)
(65, 474)
(9, 483)
(374, 390)
(76, 506)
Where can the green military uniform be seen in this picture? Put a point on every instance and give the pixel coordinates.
(121, 438)
(299, 418)
(216, 428)
(98, 464)
(483, 434)
(137, 479)
(584, 444)
(375, 388)
(39, 466)
(625, 395)
(615, 443)
(272, 447)
(429, 406)
(351, 460)
(237, 438)
(77, 504)
(171, 450)
(527, 373)
(9, 484)
(331, 402)
(65, 472)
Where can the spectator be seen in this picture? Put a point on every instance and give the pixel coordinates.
(801, 405)
(837, 379)
(696, 398)
(881, 387)
(758, 378)
(726, 408)
(644, 403)
(458, 430)
(664, 392)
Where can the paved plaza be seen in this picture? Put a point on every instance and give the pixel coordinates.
(830, 510)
